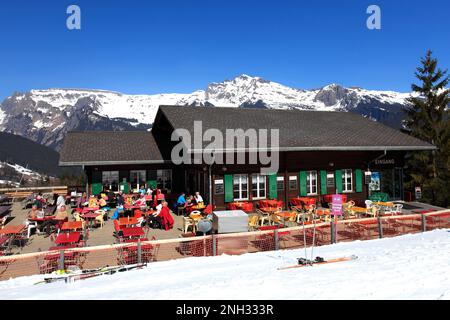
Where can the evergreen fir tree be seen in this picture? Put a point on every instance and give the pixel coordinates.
(428, 118)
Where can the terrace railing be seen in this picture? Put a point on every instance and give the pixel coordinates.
(212, 245)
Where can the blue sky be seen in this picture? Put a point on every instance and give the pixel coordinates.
(137, 46)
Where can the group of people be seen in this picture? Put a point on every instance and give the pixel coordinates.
(187, 203)
(59, 213)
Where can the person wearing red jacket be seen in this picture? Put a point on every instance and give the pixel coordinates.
(167, 221)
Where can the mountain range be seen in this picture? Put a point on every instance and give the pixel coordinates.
(45, 116)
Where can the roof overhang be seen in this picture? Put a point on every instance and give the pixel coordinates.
(324, 148)
(109, 163)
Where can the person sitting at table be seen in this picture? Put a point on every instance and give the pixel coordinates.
(198, 199)
(38, 202)
(149, 191)
(139, 215)
(81, 202)
(119, 210)
(188, 206)
(93, 202)
(120, 199)
(181, 200)
(141, 201)
(61, 215)
(34, 212)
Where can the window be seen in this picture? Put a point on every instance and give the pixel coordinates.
(240, 187)
(280, 183)
(110, 180)
(311, 182)
(347, 180)
(258, 186)
(137, 179)
(293, 183)
(164, 179)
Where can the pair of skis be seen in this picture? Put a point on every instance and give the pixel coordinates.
(318, 261)
(91, 273)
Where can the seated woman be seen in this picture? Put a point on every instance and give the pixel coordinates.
(188, 206)
(93, 202)
(198, 199)
(82, 201)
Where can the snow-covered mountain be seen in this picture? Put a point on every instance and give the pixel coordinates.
(15, 175)
(46, 115)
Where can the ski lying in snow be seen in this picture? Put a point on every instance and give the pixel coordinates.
(318, 261)
(86, 274)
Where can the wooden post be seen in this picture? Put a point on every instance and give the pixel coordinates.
(139, 252)
(424, 223)
(275, 236)
(61, 260)
(380, 227)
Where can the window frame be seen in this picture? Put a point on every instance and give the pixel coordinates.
(240, 183)
(310, 185)
(258, 188)
(345, 176)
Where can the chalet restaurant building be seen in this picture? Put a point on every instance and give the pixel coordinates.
(319, 153)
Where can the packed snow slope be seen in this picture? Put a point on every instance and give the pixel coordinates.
(407, 267)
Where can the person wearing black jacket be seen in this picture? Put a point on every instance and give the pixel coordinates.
(120, 199)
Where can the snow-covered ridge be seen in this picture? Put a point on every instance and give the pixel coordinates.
(45, 116)
(230, 93)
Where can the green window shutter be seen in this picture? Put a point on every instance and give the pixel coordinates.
(273, 193)
(228, 180)
(359, 180)
(338, 176)
(97, 188)
(303, 189)
(125, 188)
(152, 184)
(323, 182)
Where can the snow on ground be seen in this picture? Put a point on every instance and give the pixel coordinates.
(407, 267)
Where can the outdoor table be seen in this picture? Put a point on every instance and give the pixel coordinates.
(129, 221)
(90, 217)
(68, 238)
(72, 226)
(285, 215)
(269, 210)
(12, 230)
(88, 210)
(358, 210)
(133, 232)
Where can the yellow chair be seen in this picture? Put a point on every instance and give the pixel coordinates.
(78, 218)
(253, 223)
(275, 219)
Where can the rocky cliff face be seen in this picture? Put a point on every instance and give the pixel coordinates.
(45, 116)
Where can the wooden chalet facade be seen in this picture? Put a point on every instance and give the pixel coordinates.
(319, 153)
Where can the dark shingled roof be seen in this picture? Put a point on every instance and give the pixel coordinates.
(299, 130)
(109, 147)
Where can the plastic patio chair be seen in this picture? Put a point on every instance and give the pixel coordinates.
(253, 222)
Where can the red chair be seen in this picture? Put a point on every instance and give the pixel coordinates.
(248, 207)
(208, 209)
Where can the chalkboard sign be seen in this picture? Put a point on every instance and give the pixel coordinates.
(218, 187)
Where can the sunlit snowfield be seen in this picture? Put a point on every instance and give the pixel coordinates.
(407, 267)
